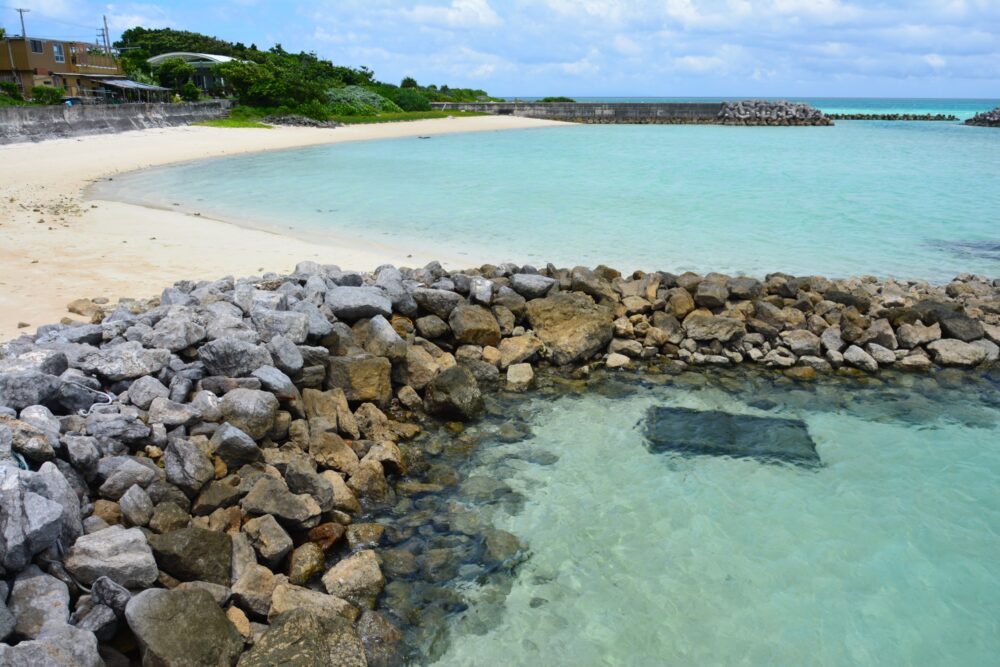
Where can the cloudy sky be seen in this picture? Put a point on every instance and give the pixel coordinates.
(878, 48)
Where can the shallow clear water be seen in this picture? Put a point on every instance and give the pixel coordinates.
(910, 200)
(886, 555)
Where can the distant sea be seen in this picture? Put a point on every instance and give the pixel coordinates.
(901, 199)
(962, 108)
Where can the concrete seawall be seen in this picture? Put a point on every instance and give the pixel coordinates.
(20, 124)
(598, 112)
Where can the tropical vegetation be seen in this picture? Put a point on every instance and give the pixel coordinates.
(276, 81)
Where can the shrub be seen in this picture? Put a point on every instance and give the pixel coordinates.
(408, 82)
(46, 95)
(557, 99)
(409, 99)
(10, 89)
(315, 110)
(358, 101)
(174, 73)
(189, 92)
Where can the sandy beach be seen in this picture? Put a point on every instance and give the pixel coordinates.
(56, 245)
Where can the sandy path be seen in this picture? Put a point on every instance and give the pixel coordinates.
(56, 246)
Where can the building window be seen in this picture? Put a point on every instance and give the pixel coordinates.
(36, 46)
(57, 51)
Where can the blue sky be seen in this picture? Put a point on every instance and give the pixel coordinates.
(915, 48)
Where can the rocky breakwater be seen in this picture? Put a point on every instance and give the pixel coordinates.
(187, 480)
(986, 119)
(892, 116)
(762, 112)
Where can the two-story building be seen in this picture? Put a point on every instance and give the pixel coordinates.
(76, 67)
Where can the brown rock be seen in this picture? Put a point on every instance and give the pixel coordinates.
(571, 326)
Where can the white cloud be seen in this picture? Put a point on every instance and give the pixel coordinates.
(459, 14)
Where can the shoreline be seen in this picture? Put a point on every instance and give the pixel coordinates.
(58, 245)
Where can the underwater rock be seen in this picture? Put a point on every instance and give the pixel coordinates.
(716, 433)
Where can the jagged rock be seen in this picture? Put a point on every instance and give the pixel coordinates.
(272, 323)
(882, 355)
(713, 327)
(431, 327)
(357, 579)
(44, 362)
(268, 538)
(56, 646)
(858, 358)
(142, 392)
(253, 590)
(962, 327)
(187, 466)
(369, 483)
(530, 285)
(383, 341)
(474, 325)
(122, 555)
(126, 474)
(362, 378)
(519, 349)
(454, 394)
(300, 637)
(301, 477)
(437, 302)
(251, 411)
(18, 390)
(711, 294)
(329, 450)
(136, 506)
(234, 446)
(802, 342)
(106, 591)
(571, 326)
(916, 334)
(232, 357)
(520, 376)
(306, 561)
(29, 522)
(181, 628)
(951, 352)
(99, 619)
(991, 348)
(169, 413)
(354, 303)
(343, 497)
(38, 600)
(174, 333)
(168, 516)
(194, 554)
(271, 496)
(126, 361)
(218, 494)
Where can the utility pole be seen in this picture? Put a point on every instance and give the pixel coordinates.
(107, 37)
(22, 12)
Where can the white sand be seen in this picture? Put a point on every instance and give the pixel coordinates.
(57, 246)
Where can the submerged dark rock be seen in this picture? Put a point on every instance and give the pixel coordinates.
(717, 433)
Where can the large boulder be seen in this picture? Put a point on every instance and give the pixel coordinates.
(357, 579)
(302, 638)
(233, 357)
(38, 600)
(250, 410)
(124, 556)
(29, 522)
(962, 327)
(187, 466)
(363, 378)
(354, 303)
(19, 389)
(234, 447)
(271, 496)
(58, 645)
(714, 327)
(194, 554)
(124, 362)
(952, 352)
(437, 301)
(531, 285)
(474, 325)
(182, 628)
(454, 394)
(572, 327)
(287, 597)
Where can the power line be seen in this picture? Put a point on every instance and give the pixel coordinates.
(48, 18)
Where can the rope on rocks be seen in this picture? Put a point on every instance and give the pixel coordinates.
(108, 397)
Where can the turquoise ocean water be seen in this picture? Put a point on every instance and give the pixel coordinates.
(902, 199)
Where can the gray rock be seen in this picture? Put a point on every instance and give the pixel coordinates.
(18, 390)
(142, 392)
(7, 620)
(832, 340)
(50, 483)
(883, 355)
(354, 303)
(531, 285)
(271, 496)
(252, 591)
(962, 327)
(316, 324)
(292, 325)
(231, 357)
(43, 361)
(437, 302)
(301, 477)
(390, 280)
(431, 327)
(711, 294)
(802, 342)
(106, 591)
(126, 473)
(279, 384)
(357, 579)
(916, 334)
(182, 628)
(268, 538)
(122, 555)
(454, 394)
(992, 349)
(187, 466)
(175, 333)
(194, 554)
(99, 619)
(858, 358)
(235, 447)
(302, 637)
(37, 601)
(952, 352)
(169, 413)
(136, 506)
(287, 597)
(56, 646)
(253, 412)
(124, 362)
(29, 522)
(383, 341)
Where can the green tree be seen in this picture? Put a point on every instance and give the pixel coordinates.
(189, 92)
(46, 95)
(409, 99)
(174, 73)
(408, 82)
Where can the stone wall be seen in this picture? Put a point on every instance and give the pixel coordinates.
(666, 113)
(19, 124)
